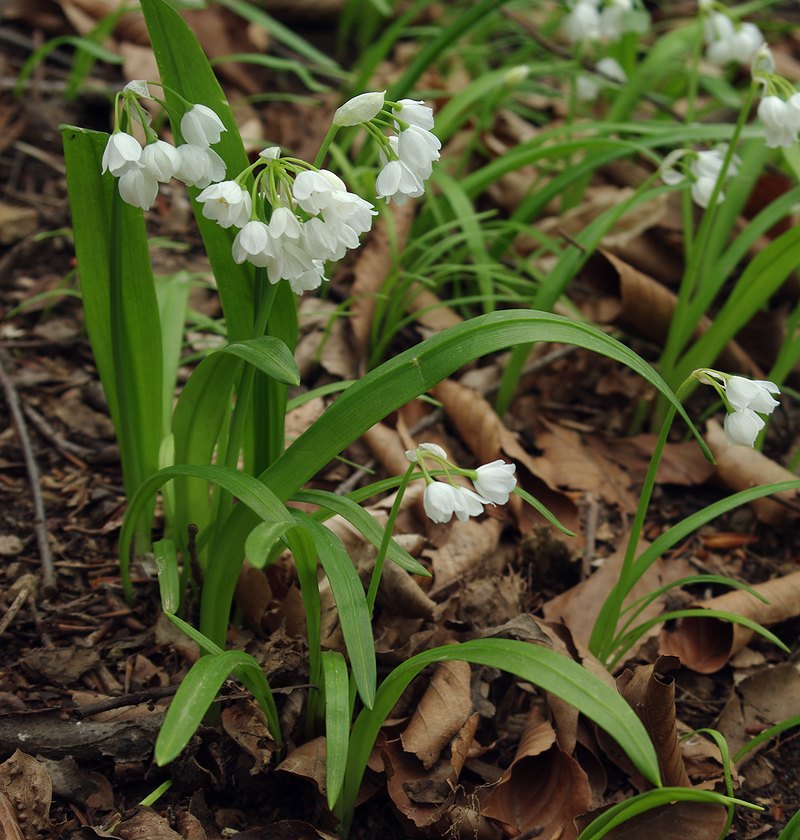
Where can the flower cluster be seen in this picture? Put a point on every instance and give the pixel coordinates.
(728, 40)
(602, 20)
(779, 108)
(493, 483)
(703, 171)
(746, 400)
(140, 169)
(294, 219)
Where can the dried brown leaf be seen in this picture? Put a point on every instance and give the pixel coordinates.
(308, 762)
(440, 714)
(650, 689)
(646, 307)
(678, 821)
(469, 544)
(706, 644)
(29, 791)
(740, 467)
(544, 788)
(245, 723)
(146, 825)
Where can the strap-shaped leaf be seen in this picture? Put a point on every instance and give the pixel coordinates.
(337, 722)
(543, 667)
(351, 605)
(362, 522)
(392, 385)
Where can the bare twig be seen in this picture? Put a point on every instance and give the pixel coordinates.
(39, 521)
(56, 438)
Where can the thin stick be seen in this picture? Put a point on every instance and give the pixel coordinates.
(39, 521)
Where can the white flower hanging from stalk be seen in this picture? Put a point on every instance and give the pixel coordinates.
(121, 154)
(161, 160)
(745, 399)
(200, 126)
(442, 499)
(227, 203)
(728, 40)
(590, 21)
(703, 171)
(607, 70)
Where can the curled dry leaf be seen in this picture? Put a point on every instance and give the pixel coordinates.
(463, 555)
(543, 788)
(430, 310)
(426, 795)
(740, 467)
(27, 786)
(441, 713)
(9, 827)
(678, 821)
(308, 762)
(146, 824)
(650, 689)
(706, 644)
(644, 306)
(245, 723)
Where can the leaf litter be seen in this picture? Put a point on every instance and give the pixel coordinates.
(468, 751)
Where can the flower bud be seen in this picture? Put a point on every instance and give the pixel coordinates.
(359, 109)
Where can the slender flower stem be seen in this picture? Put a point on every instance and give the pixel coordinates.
(380, 559)
(326, 143)
(603, 633)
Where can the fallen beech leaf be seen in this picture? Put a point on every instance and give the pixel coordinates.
(544, 788)
(767, 697)
(646, 307)
(678, 821)
(740, 467)
(650, 689)
(430, 310)
(27, 786)
(146, 825)
(440, 714)
(283, 830)
(245, 723)
(578, 607)
(463, 555)
(375, 261)
(308, 762)
(9, 827)
(706, 644)
(425, 795)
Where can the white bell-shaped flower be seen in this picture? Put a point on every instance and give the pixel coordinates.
(582, 24)
(396, 181)
(122, 152)
(742, 427)
(200, 126)
(418, 149)
(138, 187)
(754, 394)
(780, 125)
(227, 203)
(495, 481)
(199, 166)
(440, 501)
(414, 112)
(253, 244)
(161, 160)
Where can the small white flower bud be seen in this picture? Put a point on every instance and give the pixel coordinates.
(360, 109)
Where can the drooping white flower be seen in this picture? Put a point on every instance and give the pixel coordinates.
(200, 126)
(753, 394)
(199, 166)
(727, 41)
(227, 203)
(138, 187)
(434, 448)
(495, 481)
(781, 121)
(161, 160)
(440, 501)
(742, 427)
(414, 112)
(122, 153)
(312, 190)
(467, 503)
(587, 87)
(582, 24)
(396, 181)
(418, 149)
(253, 244)
(360, 109)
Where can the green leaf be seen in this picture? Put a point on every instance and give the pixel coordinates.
(351, 605)
(184, 67)
(172, 294)
(791, 831)
(544, 668)
(119, 302)
(364, 523)
(639, 804)
(394, 384)
(168, 577)
(261, 540)
(196, 694)
(204, 404)
(337, 723)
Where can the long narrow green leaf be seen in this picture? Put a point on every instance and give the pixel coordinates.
(337, 723)
(392, 385)
(351, 605)
(791, 831)
(195, 695)
(184, 68)
(362, 522)
(168, 577)
(542, 667)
